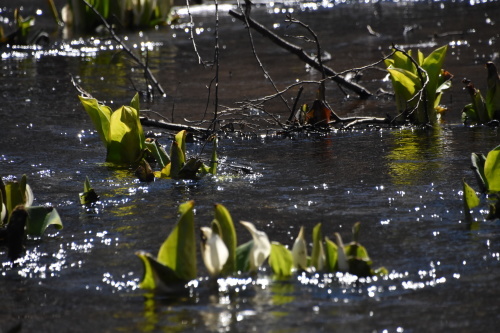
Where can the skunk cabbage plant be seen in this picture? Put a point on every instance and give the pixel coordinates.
(419, 84)
(18, 194)
(175, 264)
(487, 172)
(120, 131)
(481, 110)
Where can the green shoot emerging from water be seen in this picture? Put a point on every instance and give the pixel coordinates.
(419, 84)
(480, 110)
(487, 172)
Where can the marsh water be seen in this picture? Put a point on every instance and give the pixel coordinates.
(404, 185)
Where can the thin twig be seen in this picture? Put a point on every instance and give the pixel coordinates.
(191, 27)
(246, 14)
(361, 91)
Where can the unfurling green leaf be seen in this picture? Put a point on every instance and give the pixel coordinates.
(492, 170)
(318, 252)
(331, 255)
(471, 200)
(228, 234)
(100, 116)
(179, 250)
(39, 218)
(126, 136)
(88, 195)
(280, 260)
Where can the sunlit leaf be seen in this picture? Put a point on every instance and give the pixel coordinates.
(280, 260)
(299, 251)
(3, 209)
(213, 250)
(331, 255)
(126, 137)
(176, 161)
(318, 253)
(100, 116)
(39, 218)
(179, 250)
(471, 200)
(157, 276)
(135, 102)
(492, 170)
(180, 139)
(225, 221)
(261, 246)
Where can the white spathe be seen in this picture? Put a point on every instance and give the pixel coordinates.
(213, 251)
(29, 196)
(261, 248)
(299, 251)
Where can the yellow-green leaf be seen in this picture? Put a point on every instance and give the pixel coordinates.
(178, 252)
(225, 221)
(280, 260)
(39, 218)
(492, 170)
(100, 116)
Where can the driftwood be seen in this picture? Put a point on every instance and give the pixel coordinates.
(299, 52)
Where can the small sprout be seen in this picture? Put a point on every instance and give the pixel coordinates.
(88, 195)
(261, 247)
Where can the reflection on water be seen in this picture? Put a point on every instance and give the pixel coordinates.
(415, 155)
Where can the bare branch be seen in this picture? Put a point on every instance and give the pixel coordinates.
(361, 91)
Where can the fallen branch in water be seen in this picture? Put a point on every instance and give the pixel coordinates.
(299, 52)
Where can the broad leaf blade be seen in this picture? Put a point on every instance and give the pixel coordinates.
(280, 260)
(492, 170)
(158, 276)
(39, 218)
(331, 254)
(126, 138)
(100, 116)
(179, 250)
(228, 231)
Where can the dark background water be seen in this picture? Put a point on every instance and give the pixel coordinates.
(403, 185)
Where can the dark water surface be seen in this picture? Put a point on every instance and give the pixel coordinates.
(403, 185)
